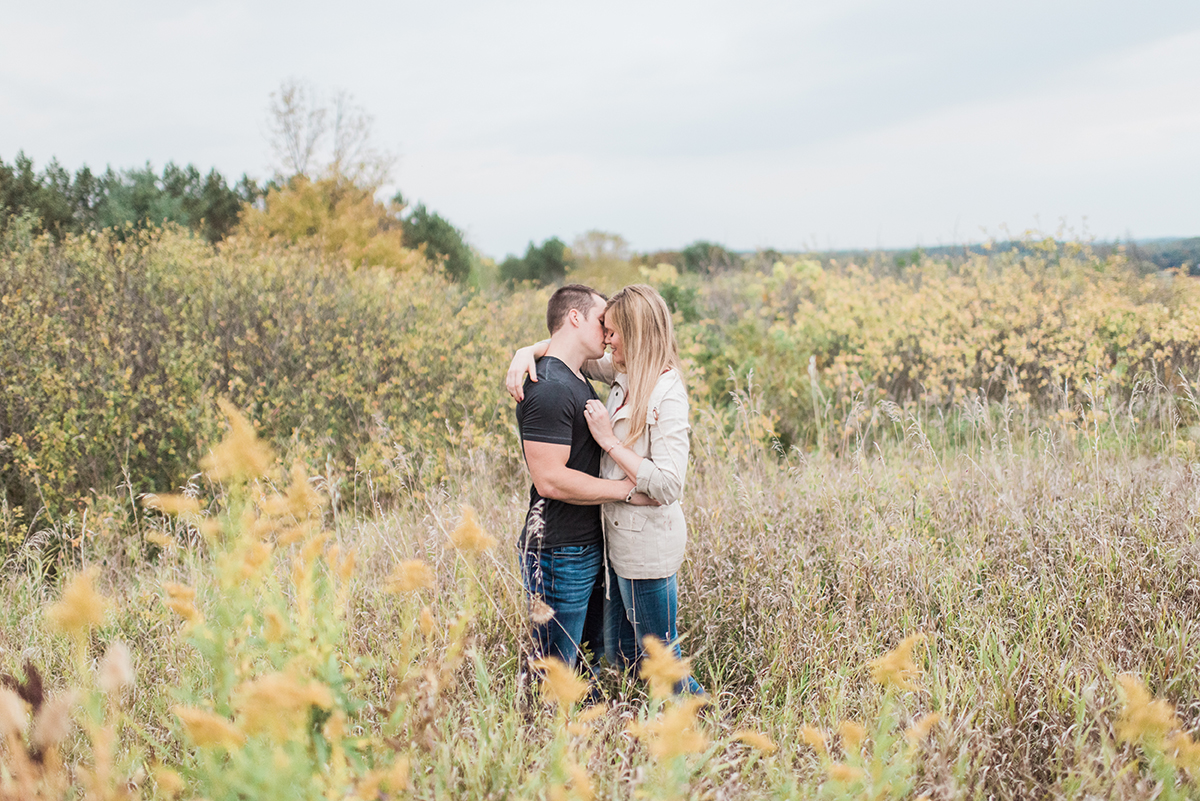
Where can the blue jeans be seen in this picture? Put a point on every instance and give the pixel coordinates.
(636, 608)
(571, 582)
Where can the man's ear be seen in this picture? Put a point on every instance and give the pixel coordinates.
(573, 317)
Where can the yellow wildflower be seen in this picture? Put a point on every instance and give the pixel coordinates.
(160, 539)
(896, 668)
(1144, 717)
(852, 735)
(920, 730)
(299, 500)
(171, 504)
(241, 454)
(661, 668)
(277, 702)
(170, 783)
(841, 772)
(81, 606)
(815, 739)
(559, 681)
(756, 739)
(469, 536)
(255, 557)
(580, 782)
(674, 732)
(207, 729)
(181, 599)
(274, 625)
(1183, 751)
(409, 576)
(427, 622)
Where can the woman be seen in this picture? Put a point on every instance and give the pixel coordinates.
(644, 434)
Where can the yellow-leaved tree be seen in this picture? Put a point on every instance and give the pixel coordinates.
(327, 175)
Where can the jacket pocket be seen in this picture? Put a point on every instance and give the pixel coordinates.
(625, 519)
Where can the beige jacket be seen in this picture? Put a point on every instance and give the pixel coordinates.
(647, 542)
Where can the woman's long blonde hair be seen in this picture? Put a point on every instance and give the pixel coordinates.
(641, 317)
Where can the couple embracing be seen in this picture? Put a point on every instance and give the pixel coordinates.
(605, 534)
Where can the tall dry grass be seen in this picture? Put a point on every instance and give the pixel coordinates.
(1043, 560)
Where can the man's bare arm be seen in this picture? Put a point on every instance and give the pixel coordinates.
(553, 479)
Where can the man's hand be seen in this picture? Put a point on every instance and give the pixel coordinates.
(642, 499)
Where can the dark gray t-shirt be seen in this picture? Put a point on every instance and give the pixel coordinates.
(553, 412)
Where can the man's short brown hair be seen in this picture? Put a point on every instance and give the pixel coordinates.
(571, 296)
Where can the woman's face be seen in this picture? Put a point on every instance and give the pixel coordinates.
(612, 338)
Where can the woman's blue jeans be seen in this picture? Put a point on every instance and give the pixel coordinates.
(640, 607)
(571, 582)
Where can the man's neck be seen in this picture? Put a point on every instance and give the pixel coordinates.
(567, 352)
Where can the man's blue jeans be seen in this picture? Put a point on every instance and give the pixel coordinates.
(571, 582)
(636, 608)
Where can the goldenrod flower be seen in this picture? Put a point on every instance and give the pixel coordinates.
(674, 732)
(1144, 718)
(1183, 751)
(896, 668)
(427, 623)
(852, 735)
(278, 702)
(299, 500)
(580, 782)
(469, 537)
(756, 739)
(254, 557)
(841, 772)
(171, 504)
(160, 539)
(241, 454)
(169, 783)
(81, 606)
(815, 739)
(207, 729)
(181, 599)
(274, 625)
(661, 668)
(559, 681)
(409, 576)
(920, 730)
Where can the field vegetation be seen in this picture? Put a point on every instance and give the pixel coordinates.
(260, 503)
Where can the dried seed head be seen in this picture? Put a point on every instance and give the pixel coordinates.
(116, 669)
(469, 536)
(13, 717)
(81, 606)
(181, 599)
(540, 612)
(53, 722)
(409, 576)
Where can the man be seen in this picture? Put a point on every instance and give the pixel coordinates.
(562, 544)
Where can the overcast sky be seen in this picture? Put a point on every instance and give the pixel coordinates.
(857, 123)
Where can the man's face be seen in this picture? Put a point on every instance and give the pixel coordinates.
(592, 332)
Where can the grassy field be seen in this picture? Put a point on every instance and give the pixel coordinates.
(1041, 560)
